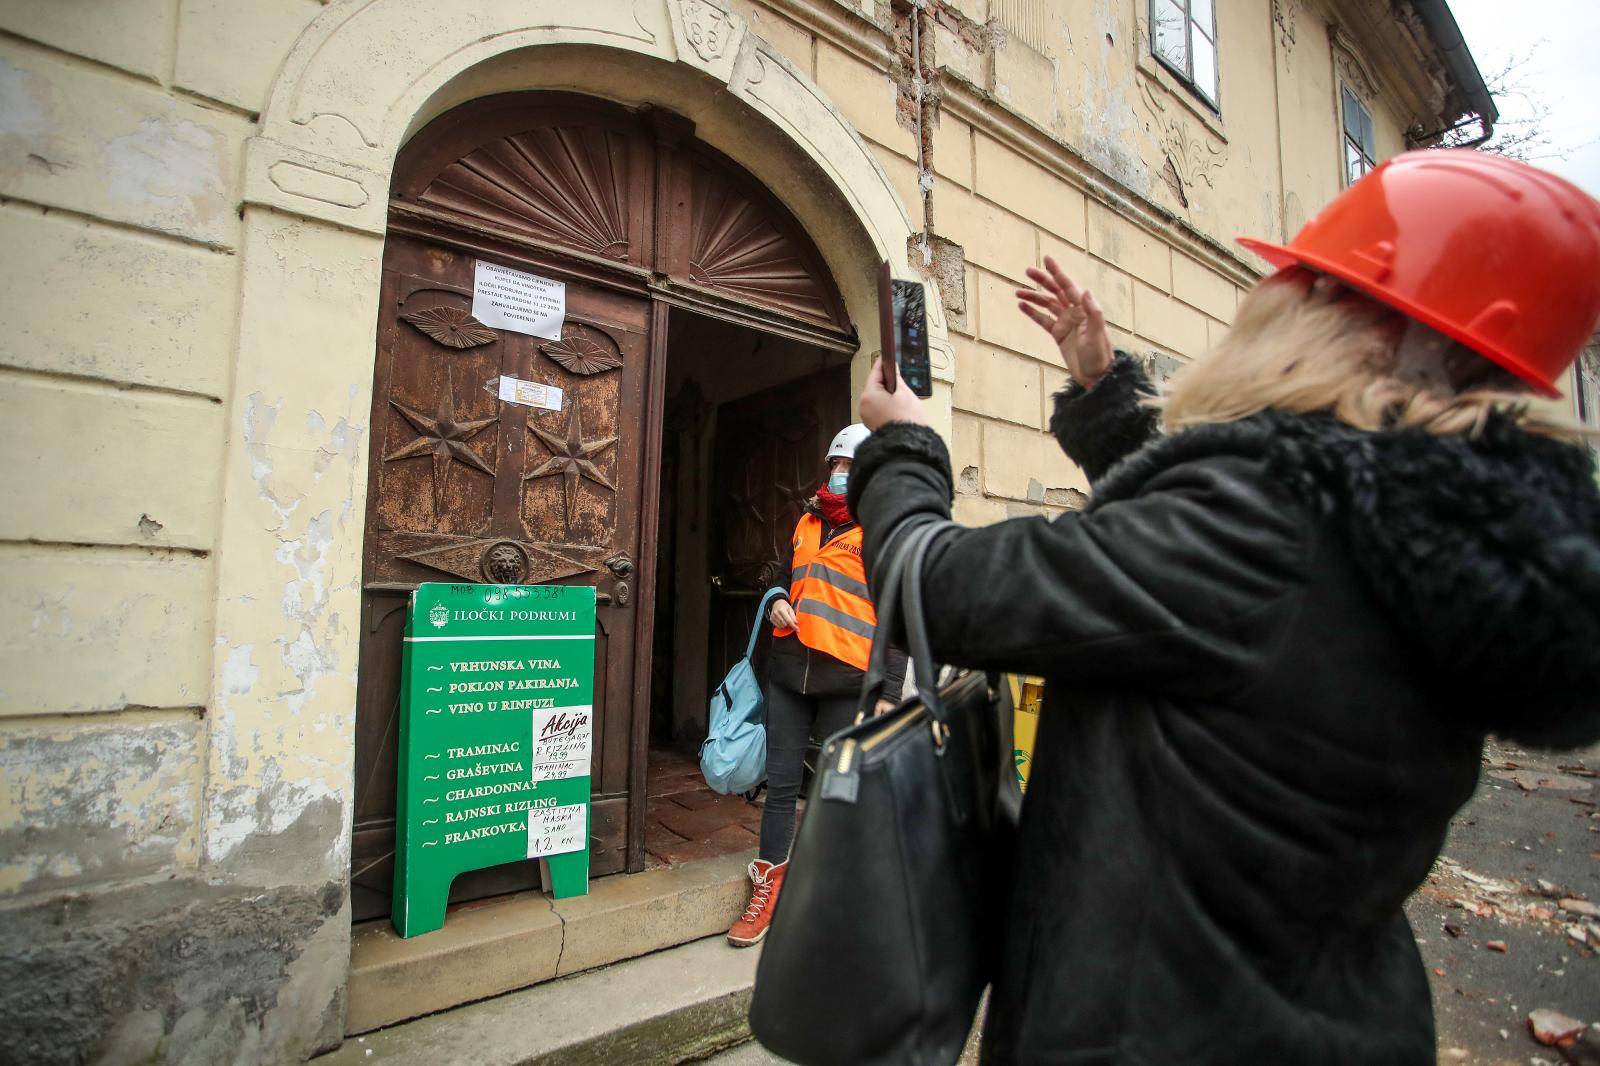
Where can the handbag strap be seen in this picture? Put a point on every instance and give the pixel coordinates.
(886, 606)
(761, 618)
(901, 567)
(916, 622)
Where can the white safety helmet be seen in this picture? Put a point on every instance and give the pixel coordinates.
(847, 440)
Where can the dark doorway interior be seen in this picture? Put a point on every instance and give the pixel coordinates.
(748, 417)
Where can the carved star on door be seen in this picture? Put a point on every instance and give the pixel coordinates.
(443, 437)
(793, 494)
(570, 457)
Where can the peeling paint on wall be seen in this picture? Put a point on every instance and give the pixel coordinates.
(270, 784)
(239, 674)
(85, 805)
(173, 163)
(1111, 128)
(22, 114)
(279, 825)
(259, 419)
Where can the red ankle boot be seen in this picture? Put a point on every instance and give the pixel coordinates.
(766, 879)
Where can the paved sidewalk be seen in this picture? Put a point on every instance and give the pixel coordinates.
(1490, 922)
(1528, 839)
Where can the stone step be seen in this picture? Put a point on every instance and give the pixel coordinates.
(523, 940)
(678, 1005)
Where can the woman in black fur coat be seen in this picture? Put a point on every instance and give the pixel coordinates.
(1274, 643)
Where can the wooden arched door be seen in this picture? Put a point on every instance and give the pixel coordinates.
(634, 217)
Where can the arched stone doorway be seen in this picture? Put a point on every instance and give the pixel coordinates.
(672, 257)
(356, 87)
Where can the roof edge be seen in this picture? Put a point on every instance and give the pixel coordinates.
(1441, 25)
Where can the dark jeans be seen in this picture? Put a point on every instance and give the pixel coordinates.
(792, 719)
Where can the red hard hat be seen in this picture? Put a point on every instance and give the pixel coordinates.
(1499, 255)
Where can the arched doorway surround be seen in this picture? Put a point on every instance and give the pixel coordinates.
(362, 79)
(640, 221)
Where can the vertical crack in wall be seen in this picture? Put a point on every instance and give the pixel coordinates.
(916, 101)
(916, 28)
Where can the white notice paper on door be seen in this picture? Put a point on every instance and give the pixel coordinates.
(556, 830)
(503, 298)
(530, 393)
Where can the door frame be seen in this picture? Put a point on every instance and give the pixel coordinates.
(665, 292)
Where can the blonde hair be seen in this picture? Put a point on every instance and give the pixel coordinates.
(1303, 342)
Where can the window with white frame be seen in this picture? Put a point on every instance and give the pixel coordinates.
(1183, 36)
(1360, 155)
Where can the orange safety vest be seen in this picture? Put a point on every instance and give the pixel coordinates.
(828, 588)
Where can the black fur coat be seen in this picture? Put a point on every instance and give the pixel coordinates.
(1273, 649)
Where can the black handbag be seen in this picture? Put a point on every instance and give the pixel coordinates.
(887, 928)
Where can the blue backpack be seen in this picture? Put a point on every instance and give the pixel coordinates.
(734, 755)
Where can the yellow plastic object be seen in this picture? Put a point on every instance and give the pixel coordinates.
(1027, 695)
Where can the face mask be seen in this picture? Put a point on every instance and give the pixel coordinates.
(838, 482)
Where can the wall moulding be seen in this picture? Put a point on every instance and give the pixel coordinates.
(976, 107)
(709, 31)
(1188, 156)
(844, 28)
(307, 183)
(1352, 68)
(1396, 65)
(349, 96)
(1286, 17)
(353, 81)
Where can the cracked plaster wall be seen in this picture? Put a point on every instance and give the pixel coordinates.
(1055, 132)
(174, 804)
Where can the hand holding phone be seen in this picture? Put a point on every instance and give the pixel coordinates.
(911, 336)
(879, 406)
(903, 326)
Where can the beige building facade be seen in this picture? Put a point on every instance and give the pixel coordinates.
(195, 200)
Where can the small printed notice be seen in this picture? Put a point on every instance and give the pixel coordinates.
(555, 830)
(530, 393)
(503, 298)
(561, 743)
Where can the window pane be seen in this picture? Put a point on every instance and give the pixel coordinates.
(1354, 166)
(1352, 116)
(1169, 38)
(1366, 135)
(1200, 11)
(1205, 66)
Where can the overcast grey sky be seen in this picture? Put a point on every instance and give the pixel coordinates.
(1562, 36)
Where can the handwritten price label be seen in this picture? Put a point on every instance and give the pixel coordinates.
(561, 743)
(556, 830)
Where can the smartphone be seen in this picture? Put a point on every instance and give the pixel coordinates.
(911, 335)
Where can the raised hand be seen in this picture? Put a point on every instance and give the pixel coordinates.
(1073, 319)
(879, 405)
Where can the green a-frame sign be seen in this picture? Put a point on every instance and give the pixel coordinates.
(496, 734)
